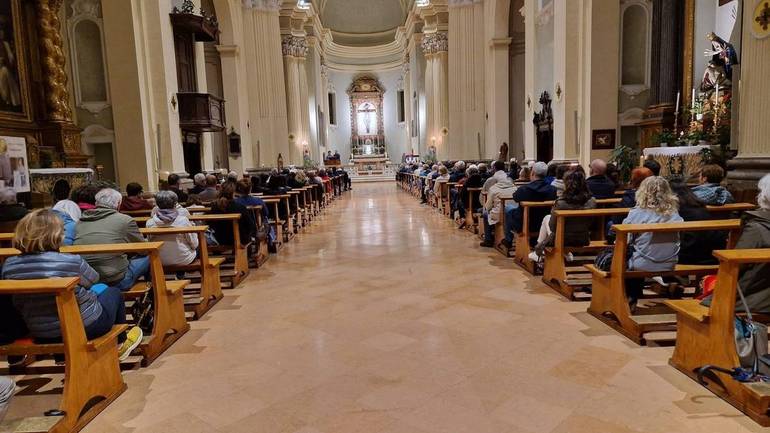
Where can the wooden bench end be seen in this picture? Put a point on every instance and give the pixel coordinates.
(691, 308)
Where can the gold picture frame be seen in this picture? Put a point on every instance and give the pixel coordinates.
(14, 73)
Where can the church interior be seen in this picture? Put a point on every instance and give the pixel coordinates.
(384, 216)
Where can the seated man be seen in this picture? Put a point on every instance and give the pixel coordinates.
(210, 193)
(710, 192)
(458, 172)
(7, 387)
(134, 200)
(105, 225)
(178, 249)
(199, 184)
(498, 174)
(174, 185)
(503, 188)
(599, 184)
(10, 210)
(536, 190)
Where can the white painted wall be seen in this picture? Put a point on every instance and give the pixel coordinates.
(396, 136)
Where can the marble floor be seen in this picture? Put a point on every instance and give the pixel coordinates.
(384, 318)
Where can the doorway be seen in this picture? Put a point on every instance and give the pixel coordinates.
(191, 144)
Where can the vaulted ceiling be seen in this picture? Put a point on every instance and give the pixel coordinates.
(363, 22)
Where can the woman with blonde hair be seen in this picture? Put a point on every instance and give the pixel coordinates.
(652, 252)
(38, 236)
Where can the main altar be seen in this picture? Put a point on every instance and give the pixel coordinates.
(368, 151)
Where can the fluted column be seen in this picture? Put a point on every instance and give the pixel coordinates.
(266, 81)
(294, 53)
(466, 79)
(436, 49)
(753, 160)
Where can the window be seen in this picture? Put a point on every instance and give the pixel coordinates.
(401, 107)
(332, 109)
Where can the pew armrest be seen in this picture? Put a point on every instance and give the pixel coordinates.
(175, 286)
(691, 308)
(108, 338)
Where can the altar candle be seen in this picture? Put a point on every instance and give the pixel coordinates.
(693, 98)
(716, 101)
(678, 96)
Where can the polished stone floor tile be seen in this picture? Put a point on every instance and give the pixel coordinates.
(384, 318)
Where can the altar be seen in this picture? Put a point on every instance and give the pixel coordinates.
(370, 165)
(682, 161)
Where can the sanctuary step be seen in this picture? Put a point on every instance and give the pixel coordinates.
(371, 178)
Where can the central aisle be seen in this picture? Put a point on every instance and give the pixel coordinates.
(382, 317)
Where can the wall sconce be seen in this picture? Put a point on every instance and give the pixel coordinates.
(558, 92)
(234, 142)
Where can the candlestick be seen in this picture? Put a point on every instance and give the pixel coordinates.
(678, 96)
(692, 101)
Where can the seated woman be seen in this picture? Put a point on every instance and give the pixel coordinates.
(443, 177)
(696, 248)
(754, 280)
(61, 199)
(177, 250)
(628, 200)
(223, 230)
(134, 199)
(576, 196)
(652, 252)
(472, 179)
(39, 236)
(243, 198)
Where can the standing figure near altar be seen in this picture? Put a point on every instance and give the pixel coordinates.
(722, 52)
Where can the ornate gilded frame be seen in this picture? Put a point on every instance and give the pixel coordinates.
(366, 89)
(21, 43)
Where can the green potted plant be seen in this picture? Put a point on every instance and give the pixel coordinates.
(664, 138)
(625, 158)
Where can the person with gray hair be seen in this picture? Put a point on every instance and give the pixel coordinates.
(177, 250)
(754, 280)
(105, 225)
(199, 183)
(10, 210)
(599, 184)
(538, 189)
(7, 387)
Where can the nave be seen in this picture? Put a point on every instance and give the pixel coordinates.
(385, 318)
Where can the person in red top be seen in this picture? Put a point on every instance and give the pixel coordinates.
(134, 200)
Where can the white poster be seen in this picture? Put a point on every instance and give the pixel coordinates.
(14, 170)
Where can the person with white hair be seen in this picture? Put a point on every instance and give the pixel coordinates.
(538, 189)
(105, 225)
(10, 210)
(199, 183)
(754, 280)
(458, 172)
(180, 249)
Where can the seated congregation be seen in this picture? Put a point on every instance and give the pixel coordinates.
(104, 281)
(656, 258)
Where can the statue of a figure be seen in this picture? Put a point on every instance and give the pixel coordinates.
(503, 152)
(715, 74)
(280, 162)
(723, 53)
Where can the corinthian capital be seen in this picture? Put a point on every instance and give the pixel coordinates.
(263, 5)
(459, 3)
(294, 46)
(433, 43)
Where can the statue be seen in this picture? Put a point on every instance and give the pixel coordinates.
(503, 152)
(722, 53)
(280, 162)
(715, 75)
(306, 160)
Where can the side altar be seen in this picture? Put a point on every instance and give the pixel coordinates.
(368, 155)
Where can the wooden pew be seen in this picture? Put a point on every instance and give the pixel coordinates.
(92, 378)
(500, 227)
(277, 223)
(523, 241)
(6, 239)
(239, 251)
(609, 302)
(168, 301)
(705, 336)
(565, 277)
(261, 252)
(446, 204)
(471, 215)
(210, 291)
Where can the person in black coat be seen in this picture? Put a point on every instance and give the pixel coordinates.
(599, 184)
(225, 204)
(696, 248)
(536, 190)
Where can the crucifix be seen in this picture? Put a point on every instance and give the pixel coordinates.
(367, 110)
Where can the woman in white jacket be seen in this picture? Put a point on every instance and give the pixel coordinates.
(177, 250)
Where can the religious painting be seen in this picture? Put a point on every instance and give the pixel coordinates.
(603, 139)
(367, 131)
(14, 167)
(14, 98)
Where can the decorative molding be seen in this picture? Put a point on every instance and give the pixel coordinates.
(87, 10)
(263, 5)
(294, 46)
(635, 89)
(433, 43)
(228, 50)
(461, 3)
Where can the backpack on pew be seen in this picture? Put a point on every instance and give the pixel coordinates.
(603, 260)
(751, 341)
